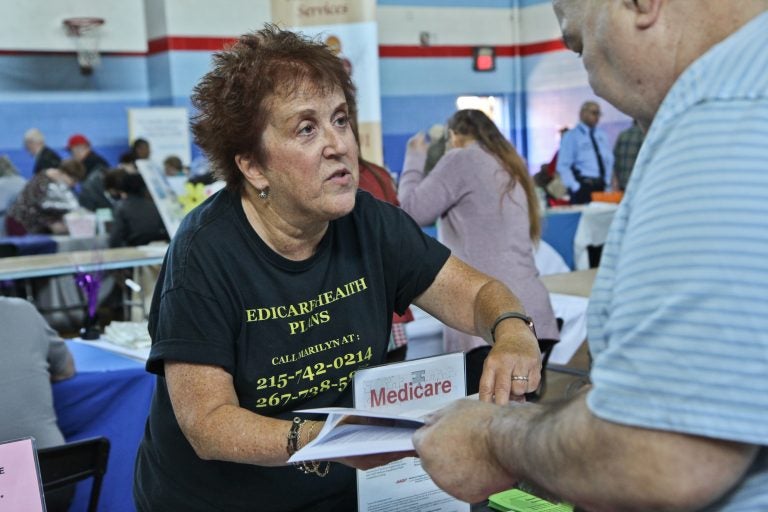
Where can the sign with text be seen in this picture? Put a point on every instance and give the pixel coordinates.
(168, 204)
(165, 128)
(417, 385)
(20, 487)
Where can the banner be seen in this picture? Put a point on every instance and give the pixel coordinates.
(165, 128)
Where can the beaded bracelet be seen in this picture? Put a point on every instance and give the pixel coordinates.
(294, 433)
(292, 446)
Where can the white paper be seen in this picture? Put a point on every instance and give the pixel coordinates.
(350, 439)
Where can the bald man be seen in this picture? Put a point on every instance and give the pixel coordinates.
(585, 158)
(675, 418)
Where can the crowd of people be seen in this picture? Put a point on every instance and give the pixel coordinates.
(84, 182)
(673, 418)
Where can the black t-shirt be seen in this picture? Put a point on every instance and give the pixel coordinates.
(291, 333)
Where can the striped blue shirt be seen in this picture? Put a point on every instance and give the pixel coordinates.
(678, 319)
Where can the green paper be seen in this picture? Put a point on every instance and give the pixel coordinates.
(515, 500)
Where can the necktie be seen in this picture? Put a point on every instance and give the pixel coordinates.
(600, 163)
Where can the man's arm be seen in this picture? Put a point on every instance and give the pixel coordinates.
(566, 157)
(576, 456)
(470, 301)
(60, 363)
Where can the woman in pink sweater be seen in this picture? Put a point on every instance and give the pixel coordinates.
(485, 200)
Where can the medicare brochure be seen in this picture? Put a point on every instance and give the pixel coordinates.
(396, 398)
(342, 439)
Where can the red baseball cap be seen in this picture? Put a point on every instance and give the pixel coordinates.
(77, 140)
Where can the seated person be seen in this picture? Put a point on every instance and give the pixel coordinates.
(136, 219)
(173, 166)
(33, 356)
(10, 187)
(40, 207)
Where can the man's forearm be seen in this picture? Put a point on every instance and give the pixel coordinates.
(600, 465)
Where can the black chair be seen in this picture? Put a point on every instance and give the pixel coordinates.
(8, 250)
(62, 466)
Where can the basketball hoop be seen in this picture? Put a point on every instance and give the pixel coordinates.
(86, 32)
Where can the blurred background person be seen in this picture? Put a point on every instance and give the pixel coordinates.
(489, 217)
(625, 152)
(438, 141)
(379, 183)
(136, 218)
(11, 184)
(585, 158)
(80, 149)
(173, 166)
(141, 149)
(40, 207)
(33, 356)
(45, 157)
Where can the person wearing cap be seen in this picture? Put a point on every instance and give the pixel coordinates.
(80, 149)
(92, 195)
(45, 157)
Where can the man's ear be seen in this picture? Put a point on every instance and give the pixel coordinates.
(252, 172)
(647, 12)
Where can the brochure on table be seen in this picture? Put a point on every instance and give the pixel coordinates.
(20, 485)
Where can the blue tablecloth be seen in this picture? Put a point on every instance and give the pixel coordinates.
(109, 396)
(28, 245)
(559, 230)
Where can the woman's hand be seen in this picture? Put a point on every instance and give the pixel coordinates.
(512, 368)
(418, 142)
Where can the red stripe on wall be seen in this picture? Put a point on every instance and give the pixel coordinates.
(167, 44)
(466, 51)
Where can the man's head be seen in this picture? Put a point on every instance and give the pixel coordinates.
(634, 50)
(33, 141)
(590, 113)
(79, 146)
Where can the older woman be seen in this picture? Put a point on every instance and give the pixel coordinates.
(280, 276)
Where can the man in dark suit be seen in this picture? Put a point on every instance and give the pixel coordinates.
(45, 157)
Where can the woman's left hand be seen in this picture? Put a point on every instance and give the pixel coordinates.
(512, 368)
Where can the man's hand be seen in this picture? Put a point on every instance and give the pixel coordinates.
(456, 451)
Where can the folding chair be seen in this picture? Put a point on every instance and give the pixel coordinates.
(69, 463)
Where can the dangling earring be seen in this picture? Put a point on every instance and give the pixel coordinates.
(263, 194)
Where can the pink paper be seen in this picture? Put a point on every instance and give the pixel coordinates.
(19, 478)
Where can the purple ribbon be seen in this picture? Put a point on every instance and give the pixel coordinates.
(90, 282)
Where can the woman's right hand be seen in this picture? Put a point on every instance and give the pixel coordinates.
(418, 142)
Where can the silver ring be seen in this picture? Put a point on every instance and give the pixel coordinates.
(519, 377)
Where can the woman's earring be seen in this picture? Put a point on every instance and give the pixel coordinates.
(263, 194)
